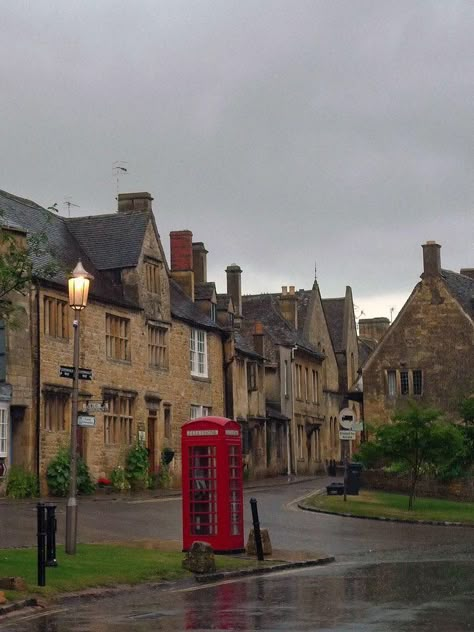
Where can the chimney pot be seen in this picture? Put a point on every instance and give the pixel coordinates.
(284, 290)
(234, 290)
(292, 289)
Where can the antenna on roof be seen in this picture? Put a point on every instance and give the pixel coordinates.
(119, 168)
(392, 309)
(68, 202)
(315, 272)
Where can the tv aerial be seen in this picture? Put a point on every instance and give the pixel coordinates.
(119, 169)
(68, 203)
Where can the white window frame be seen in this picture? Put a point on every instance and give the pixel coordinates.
(199, 411)
(4, 422)
(198, 353)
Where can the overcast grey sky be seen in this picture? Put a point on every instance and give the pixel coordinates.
(280, 132)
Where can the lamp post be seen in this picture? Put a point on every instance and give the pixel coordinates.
(78, 286)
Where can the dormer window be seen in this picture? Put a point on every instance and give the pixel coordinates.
(213, 314)
(152, 277)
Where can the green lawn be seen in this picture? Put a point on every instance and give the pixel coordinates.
(372, 503)
(100, 565)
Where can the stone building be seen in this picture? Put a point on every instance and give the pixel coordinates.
(427, 354)
(156, 358)
(304, 387)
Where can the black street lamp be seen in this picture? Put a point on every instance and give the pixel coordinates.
(78, 286)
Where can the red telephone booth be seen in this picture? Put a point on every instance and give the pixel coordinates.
(212, 484)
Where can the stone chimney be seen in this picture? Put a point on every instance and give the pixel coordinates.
(373, 328)
(469, 272)
(129, 202)
(199, 262)
(258, 338)
(289, 305)
(234, 290)
(431, 259)
(181, 251)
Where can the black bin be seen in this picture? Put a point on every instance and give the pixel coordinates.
(353, 478)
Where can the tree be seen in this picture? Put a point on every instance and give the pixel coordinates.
(17, 252)
(419, 439)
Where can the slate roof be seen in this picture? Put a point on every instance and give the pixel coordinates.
(223, 302)
(264, 308)
(462, 289)
(244, 344)
(61, 249)
(111, 241)
(204, 291)
(366, 346)
(334, 311)
(183, 308)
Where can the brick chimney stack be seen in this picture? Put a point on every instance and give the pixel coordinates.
(289, 305)
(181, 251)
(129, 202)
(199, 262)
(234, 290)
(431, 259)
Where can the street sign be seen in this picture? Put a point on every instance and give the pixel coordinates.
(86, 421)
(95, 407)
(347, 418)
(347, 435)
(68, 371)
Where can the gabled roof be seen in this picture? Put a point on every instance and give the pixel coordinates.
(224, 301)
(204, 291)
(461, 288)
(183, 308)
(61, 249)
(334, 311)
(244, 344)
(264, 308)
(123, 231)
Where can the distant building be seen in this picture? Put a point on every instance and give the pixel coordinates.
(427, 354)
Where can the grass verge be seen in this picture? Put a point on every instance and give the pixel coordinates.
(96, 565)
(372, 504)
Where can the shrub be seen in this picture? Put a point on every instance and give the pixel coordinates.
(58, 474)
(119, 479)
(21, 483)
(136, 466)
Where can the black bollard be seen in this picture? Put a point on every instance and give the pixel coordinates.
(256, 529)
(41, 535)
(51, 527)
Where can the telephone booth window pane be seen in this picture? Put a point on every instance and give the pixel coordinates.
(235, 486)
(203, 501)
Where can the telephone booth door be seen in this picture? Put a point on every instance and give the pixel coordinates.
(203, 490)
(212, 484)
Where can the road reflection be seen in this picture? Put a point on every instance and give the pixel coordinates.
(383, 597)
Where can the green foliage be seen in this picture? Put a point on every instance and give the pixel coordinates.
(58, 473)
(119, 479)
(370, 455)
(419, 440)
(21, 483)
(136, 466)
(466, 409)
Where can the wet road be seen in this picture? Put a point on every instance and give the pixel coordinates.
(383, 597)
(387, 576)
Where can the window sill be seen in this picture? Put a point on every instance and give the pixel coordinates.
(159, 369)
(64, 341)
(200, 378)
(118, 361)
